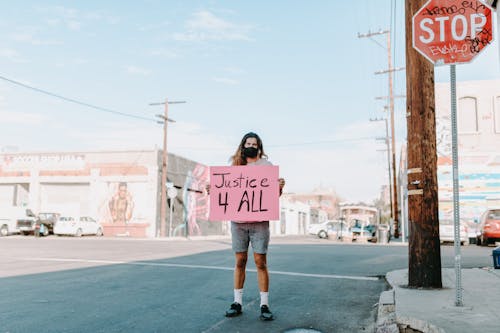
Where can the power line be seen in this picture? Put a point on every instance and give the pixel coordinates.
(74, 100)
(286, 145)
(321, 142)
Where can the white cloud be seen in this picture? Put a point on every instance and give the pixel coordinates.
(234, 70)
(74, 25)
(74, 19)
(14, 118)
(134, 70)
(11, 55)
(356, 173)
(154, 26)
(80, 61)
(166, 53)
(192, 140)
(204, 26)
(348, 162)
(225, 80)
(118, 136)
(189, 140)
(27, 37)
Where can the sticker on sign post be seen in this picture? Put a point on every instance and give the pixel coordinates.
(244, 193)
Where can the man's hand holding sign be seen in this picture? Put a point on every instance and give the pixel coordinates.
(245, 193)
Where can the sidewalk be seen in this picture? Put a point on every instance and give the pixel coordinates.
(434, 311)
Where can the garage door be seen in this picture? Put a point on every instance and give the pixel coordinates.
(67, 199)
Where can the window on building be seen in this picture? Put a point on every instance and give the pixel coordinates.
(467, 115)
(496, 110)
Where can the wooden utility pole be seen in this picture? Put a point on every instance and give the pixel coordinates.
(163, 186)
(393, 142)
(390, 69)
(424, 266)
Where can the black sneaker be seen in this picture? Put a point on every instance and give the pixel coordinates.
(234, 310)
(265, 313)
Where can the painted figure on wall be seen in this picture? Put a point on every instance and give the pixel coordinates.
(195, 204)
(121, 205)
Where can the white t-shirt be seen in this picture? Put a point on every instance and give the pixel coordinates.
(260, 161)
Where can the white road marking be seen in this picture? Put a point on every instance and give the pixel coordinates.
(138, 263)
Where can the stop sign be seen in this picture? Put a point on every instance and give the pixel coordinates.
(452, 31)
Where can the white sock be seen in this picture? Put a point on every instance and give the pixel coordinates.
(264, 298)
(238, 296)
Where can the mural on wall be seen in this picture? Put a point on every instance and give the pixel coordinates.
(443, 136)
(479, 189)
(125, 203)
(195, 202)
(121, 204)
(191, 207)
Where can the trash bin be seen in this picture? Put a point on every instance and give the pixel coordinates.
(496, 257)
(383, 234)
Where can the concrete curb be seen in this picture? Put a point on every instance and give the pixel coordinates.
(389, 322)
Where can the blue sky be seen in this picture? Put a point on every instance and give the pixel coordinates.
(293, 71)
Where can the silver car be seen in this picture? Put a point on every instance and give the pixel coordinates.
(447, 231)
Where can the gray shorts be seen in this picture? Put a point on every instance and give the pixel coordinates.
(256, 233)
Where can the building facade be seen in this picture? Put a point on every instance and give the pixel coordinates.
(478, 129)
(120, 189)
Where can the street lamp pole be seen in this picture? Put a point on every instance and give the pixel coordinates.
(163, 195)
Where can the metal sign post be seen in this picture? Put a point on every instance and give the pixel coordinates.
(456, 206)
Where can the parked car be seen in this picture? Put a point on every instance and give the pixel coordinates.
(447, 231)
(25, 223)
(45, 223)
(85, 225)
(364, 230)
(489, 227)
(320, 229)
(10, 216)
(358, 232)
(339, 229)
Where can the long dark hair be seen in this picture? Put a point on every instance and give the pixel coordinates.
(238, 158)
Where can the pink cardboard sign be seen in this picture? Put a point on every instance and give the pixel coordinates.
(244, 193)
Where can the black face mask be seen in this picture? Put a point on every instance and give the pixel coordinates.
(250, 152)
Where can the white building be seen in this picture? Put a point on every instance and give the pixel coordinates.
(478, 129)
(121, 189)
(294, 220)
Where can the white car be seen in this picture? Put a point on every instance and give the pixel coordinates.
(85, 225)
(321, 229)
(447, 231)
(339, 230)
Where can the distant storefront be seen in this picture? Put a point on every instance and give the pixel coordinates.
(120, 189)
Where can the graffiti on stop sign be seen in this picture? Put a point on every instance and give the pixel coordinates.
(452, 31)
(477, 6)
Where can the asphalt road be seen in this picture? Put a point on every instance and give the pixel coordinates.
(123, 285)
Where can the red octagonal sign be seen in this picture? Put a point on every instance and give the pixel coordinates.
(452, 31)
